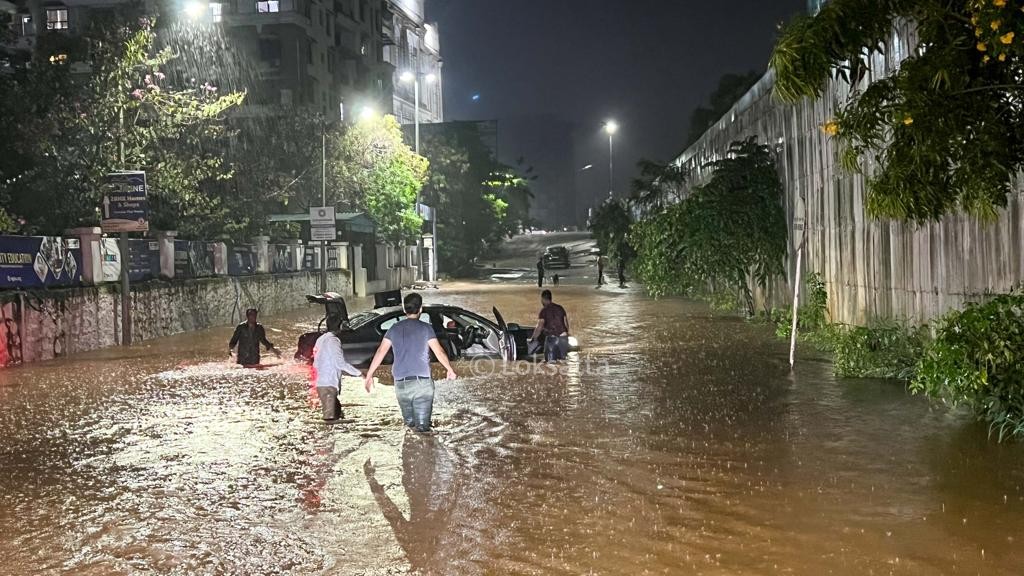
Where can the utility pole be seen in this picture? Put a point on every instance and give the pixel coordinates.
(126, 306)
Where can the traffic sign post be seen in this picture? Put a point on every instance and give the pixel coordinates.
(322, 228)
(125, 209)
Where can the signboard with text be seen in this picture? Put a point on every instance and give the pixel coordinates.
(322, 224)
(39, 261)
(125, 207)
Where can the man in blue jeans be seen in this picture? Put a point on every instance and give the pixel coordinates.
(412, 341)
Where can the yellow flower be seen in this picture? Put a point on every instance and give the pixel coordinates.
(985, 60)
(908, 120)
(974, 19)
(1002, 57)
(1006, 38)
(982, 47)
(831, 128)
(999, 3)
(996, 24)
(978, 32)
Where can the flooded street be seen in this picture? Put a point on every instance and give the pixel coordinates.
(676, 442)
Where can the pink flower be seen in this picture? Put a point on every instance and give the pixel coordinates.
(160, 76)
(148, 79)
(138, 94)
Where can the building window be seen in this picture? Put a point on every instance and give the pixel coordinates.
(216, 11)
(270, 50)
(56, 18)
(268, 6)
(58, 58)
(364, 49)
(27, 29)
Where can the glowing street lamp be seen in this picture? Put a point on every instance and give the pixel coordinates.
(195, 9)
(611, 127)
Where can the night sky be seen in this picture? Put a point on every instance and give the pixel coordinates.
(647, 63)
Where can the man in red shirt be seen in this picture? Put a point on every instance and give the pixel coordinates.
(553, 323)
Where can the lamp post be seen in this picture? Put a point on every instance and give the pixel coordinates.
(576, 189)
(414, 78)
(611, 127)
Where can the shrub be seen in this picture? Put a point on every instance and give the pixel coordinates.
(883, 349)
(977, 360)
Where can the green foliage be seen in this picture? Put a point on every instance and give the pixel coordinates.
(977, 360)
(373, 165)
(658, 186)
(610, 224)
(945, 130)
(726, 236)
(479, 201)
(812, 317)
(126, 114)
(883, 349)
(731, 87)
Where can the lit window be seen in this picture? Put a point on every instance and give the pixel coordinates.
(216, 11)
(267, 6)
(58, 58)
(363, 50)
(56, 18)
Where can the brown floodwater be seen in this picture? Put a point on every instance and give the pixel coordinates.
(678, 442)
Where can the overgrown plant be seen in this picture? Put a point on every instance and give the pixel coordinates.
(728, 235)
(946, 130)
(882, 349)
(977, 360)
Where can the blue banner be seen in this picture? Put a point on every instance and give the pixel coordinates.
(193, 259)
(39, 261)
(143, 260)
(125, 206)
(280, 259)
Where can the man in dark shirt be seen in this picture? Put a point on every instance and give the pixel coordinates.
(412, 341)
(553, 323)
(540, 272)
(248, 337)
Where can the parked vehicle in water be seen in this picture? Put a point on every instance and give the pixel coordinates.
(463, 333)
(556, 257)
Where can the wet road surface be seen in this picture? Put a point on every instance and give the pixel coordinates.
(676, 443)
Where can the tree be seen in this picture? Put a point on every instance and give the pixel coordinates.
(658, 186)
(731, 87)
(946, 130)
(610, 224)
(728, 235)
(127, 113)
(471, 192)
(375, 167)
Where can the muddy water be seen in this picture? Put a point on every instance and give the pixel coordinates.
(678, 443)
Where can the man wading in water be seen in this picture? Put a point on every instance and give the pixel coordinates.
(329, 365)
(412, 341)
(554, 324)
(248, 337)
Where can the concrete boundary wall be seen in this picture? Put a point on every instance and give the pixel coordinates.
(872, 268)
(45, 324)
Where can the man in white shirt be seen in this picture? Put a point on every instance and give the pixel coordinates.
(328, 365)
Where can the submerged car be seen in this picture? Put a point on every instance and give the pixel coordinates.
(463, 333)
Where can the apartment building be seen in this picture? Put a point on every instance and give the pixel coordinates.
(413, 49)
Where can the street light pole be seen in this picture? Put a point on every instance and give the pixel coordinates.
(414, 77)
(323, 204)
(611, 127)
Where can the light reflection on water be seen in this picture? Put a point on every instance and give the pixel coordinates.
(677, 442)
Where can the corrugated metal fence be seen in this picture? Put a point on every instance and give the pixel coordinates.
(872, 268)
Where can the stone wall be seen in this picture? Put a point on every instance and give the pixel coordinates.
(872, 268)
(41, 325)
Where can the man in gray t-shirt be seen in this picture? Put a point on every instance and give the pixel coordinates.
(412, 341)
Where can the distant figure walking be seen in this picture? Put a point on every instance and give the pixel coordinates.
(622, 273)
(413, 341)
(555, 279)
(553, 323)
(248, 336)
(329, 365)
(540, 272)
(602, 261)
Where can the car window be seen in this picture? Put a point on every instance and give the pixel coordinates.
(361, 319)
(387, 324)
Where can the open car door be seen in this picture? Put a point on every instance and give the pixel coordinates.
(506, 340)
